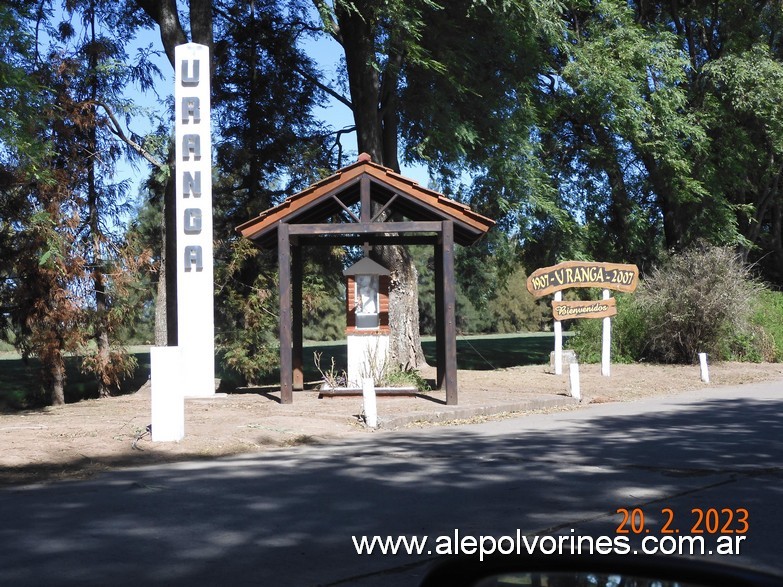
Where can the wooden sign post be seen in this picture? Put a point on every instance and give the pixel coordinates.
(608, 276)
(606, 339)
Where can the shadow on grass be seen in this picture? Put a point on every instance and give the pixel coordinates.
(497, 351)
(20, 386)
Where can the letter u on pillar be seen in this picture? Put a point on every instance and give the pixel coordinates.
(191, 68)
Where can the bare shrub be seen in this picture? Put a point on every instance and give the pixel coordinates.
(696, 302)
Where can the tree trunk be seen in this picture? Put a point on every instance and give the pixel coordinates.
(405, 339)
(93, 203)
(201, 24)
(666, 197)
(357, 37)
(161, 332)
(164, 12)
(169, 260)
(374, 101)
(166, 302)
(101, 327)
(621, 207)
(56, 377)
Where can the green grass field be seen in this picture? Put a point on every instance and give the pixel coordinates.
(474, 352)
(19, 385)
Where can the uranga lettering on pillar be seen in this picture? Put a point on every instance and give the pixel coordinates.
(195, 282)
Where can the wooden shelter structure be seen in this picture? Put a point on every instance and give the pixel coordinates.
(365, 204)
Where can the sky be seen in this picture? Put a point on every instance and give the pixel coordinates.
(326, 53)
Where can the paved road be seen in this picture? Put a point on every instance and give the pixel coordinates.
(287, 517)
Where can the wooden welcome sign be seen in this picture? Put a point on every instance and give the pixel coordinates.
(581, 309)
(607, 276)
(615, 276)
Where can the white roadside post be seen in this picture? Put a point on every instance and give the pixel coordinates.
(558, 339)
(705, 371)
(574, 379)
(168, 402)
(370, 405)
(606, 343)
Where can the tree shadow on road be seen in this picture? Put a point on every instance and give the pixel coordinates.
(262, 515)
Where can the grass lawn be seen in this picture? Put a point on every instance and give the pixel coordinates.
(19, 380)
(474, 352)
(20, 387)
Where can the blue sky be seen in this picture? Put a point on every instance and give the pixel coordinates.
(327, 54)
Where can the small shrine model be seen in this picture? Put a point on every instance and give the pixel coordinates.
(365, 204)
(367, 320)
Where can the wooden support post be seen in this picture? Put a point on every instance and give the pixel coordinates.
(296, 314)
(284, 268)
(558, 339)
(365, 214)
(449, 313)
(440, 319)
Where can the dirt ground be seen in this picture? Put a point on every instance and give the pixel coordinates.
(80, 440)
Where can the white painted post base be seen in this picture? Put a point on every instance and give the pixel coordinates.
(574, 379)
(370, 404)
(558, 339)
(168, 401)
(705, 370)
(367, 357)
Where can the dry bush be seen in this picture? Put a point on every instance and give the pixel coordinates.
(698, 301)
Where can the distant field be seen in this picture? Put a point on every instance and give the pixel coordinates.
(19, 380)
(498, 351)
(474, 352)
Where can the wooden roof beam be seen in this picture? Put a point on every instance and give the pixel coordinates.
(365, 228)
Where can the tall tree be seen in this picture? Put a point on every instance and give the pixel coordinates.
(42, 277)
(266, 145)
(39, 292)
(64, 207)
(102, 70)
(431, 82)
(653, 125)
(617, 134)
(166, 16)
(658, 122)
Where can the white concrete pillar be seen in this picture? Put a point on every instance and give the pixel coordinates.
(367, 357)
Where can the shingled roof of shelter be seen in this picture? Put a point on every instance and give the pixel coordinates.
(319, 202)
